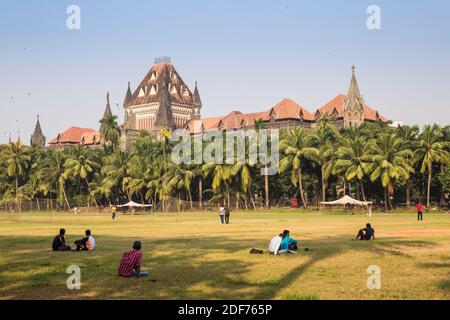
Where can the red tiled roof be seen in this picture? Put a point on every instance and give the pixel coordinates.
(337, 106)
(284, 110)
(155, 80)
(91, 138)
(288, 109)
(72, 135)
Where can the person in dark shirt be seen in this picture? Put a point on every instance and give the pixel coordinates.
(367, 233)
(227, 215)
(59, 242)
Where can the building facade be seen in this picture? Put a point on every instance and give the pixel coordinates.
(161, 101)
(343, 111)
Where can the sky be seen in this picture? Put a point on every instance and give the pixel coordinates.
(245, 54)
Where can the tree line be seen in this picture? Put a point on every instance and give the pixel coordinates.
(389, 166)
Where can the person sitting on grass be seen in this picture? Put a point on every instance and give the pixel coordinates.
(87, 243)
(130, 265)
(288, 244)
(367, 233)
(275, 244)
(59, 242)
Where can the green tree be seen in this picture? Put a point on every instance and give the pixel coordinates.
(389, 164)
(431, 149)
(17, 159)
(295, 150)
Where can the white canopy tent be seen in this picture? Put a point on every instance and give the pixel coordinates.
(133, 204)
(347, 201)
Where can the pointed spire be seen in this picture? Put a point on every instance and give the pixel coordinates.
(164, 117)
(107, 112)
(9, 139)
(128, 97)
(37, 138)
(353, 90)
(354, 105)
(197, 103)
(197, 99)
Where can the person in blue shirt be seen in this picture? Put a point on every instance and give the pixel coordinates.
(288, 243)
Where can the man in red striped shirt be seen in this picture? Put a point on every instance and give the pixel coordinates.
(131, 262)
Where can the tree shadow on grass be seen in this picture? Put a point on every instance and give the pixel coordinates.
(181, 268)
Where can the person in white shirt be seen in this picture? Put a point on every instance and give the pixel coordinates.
(275, 244)
(87, 243)
(222, 214)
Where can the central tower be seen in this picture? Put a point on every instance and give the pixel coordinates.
(162, 100)
(354, 107)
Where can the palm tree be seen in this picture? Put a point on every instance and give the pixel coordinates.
(389, 164)
(323, 153)
(221, 179)
(52, 171)
(115, 172)
(179, 178)
(111, 131)
(260, 125)
(165, 136)
(409, 137)
(79, 166)
(17, 160)
(431, 149)
(295, 149)
(352, 160)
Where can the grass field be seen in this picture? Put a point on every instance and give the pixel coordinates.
(193, 256)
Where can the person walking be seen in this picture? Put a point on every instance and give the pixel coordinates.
(222, 214)
(419, 211)
(227, 215)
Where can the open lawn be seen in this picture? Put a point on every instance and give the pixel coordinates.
(193, 256)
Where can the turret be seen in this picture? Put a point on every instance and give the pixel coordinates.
(37, 138)
(196, 115)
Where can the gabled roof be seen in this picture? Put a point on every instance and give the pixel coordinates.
(91, 138)
(72, 135)
(149, 90)
(288, 109)
(336, 106)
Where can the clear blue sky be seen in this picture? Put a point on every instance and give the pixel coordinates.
(246, 55)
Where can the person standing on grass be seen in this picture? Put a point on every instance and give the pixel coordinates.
(59, 242)
(419, 208)
(222, 214)
(130, 265)
(227, 215)
(113, 212)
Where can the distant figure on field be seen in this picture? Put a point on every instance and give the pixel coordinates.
(288, 243)
(87, 243)
(227, 215)
(222, 214)
(59, 242)
(419, 211)
(367, 233)
(130, 265)
(275, 244)
(113, 212)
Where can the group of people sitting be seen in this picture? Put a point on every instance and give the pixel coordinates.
(283, 243)
(85, 244)
(130, 264)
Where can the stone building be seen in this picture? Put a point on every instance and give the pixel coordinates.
(161, 101)
(343, 111)
(37, 138)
